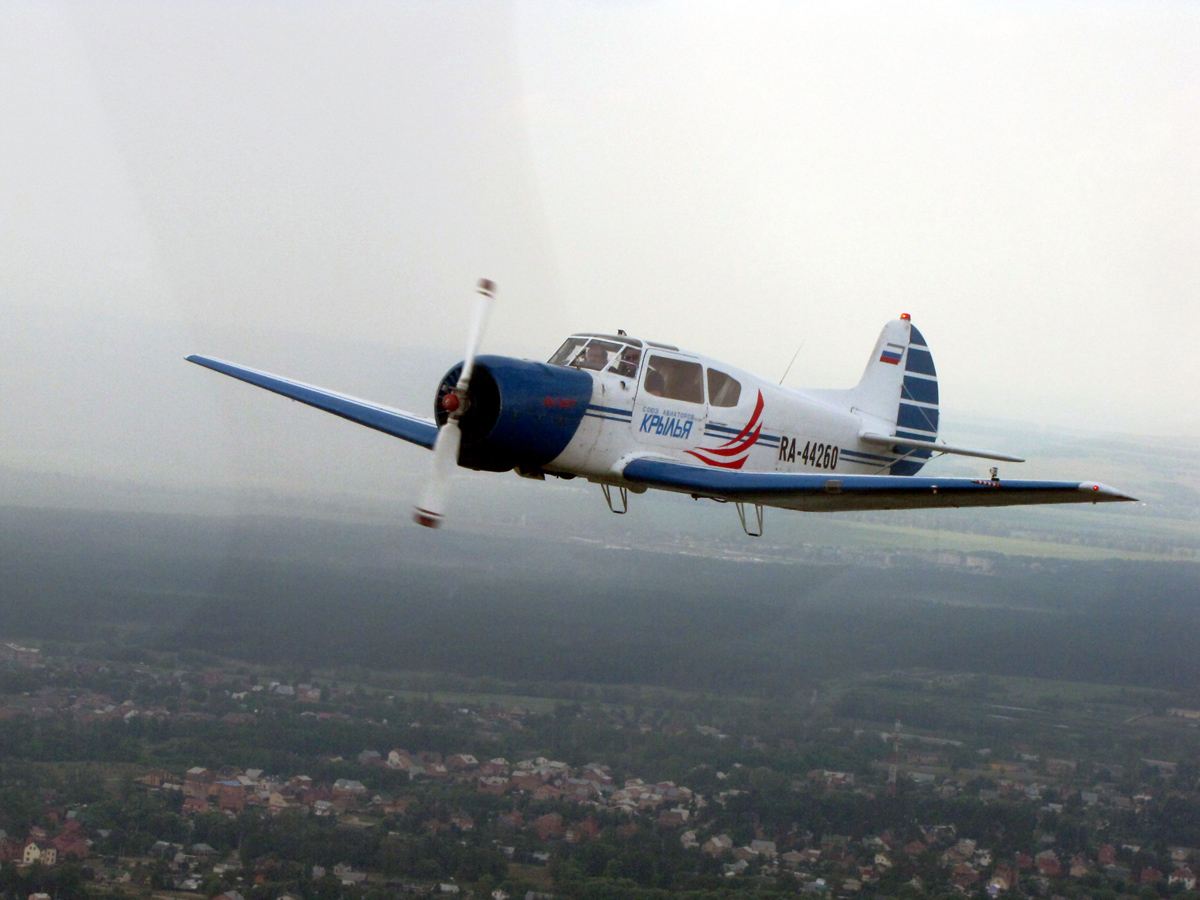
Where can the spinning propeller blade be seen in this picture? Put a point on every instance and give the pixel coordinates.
(431, 508)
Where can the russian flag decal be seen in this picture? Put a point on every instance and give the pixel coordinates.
(892, 354)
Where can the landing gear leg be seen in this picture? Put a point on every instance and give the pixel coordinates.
(757, 521)
(624, 495)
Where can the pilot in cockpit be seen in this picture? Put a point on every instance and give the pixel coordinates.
(628, 363)
(593, 357)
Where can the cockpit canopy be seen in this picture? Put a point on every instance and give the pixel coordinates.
(600, 353)
(666, 376)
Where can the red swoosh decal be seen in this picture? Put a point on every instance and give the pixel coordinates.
(730, 464)
(758, 408)
(726, 450)
(737, 446)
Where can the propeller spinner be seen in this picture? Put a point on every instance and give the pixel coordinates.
(430, 510)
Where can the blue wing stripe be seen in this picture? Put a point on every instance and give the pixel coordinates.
(390, 421)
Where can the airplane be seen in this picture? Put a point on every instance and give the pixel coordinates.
(633, 415)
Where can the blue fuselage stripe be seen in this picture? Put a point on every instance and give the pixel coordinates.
(627, 413)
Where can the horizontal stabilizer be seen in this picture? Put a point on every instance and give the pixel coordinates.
(405, 426)
(894, 441)
(832, 493)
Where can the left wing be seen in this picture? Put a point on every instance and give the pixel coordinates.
(405, 426)
(832, 493)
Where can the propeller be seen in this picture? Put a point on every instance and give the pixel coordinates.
(430, 510)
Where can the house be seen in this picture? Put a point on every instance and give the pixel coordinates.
(1184, 876)
(155, 778)
(1048, 865)
(71, 844)
(793, 859)
(493, 784)
(231, 796)
(1150, 875)
(197, 782)
(964, 875)
(717, 846)
(43, 853)
(673, 818)
(494, 768)
(764, 848)
(346, 875)
(307, 693)
(831, 779)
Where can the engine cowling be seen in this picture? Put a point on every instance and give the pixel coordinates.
(520, 414)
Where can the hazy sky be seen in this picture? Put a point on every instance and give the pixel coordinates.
(314, 188)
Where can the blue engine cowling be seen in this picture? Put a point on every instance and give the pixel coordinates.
(520, 414)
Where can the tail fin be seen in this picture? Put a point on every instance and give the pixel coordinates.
(898, 393)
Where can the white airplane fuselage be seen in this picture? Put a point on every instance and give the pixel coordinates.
(622, 418)
(634, 415)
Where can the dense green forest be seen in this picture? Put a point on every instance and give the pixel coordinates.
(324, 593)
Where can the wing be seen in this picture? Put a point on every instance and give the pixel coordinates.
(390, 421)
(832, 493)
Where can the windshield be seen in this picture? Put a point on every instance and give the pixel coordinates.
(598, 355)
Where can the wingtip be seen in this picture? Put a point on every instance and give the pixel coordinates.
(1103, 492)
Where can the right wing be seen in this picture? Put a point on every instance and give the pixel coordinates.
(832, 493)
(405, 426)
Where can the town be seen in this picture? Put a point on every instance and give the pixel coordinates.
(164, 778)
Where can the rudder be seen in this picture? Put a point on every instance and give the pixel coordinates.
(898, 393)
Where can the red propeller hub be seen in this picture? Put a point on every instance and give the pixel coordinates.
(450, 402)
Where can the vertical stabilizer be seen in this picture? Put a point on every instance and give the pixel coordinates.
(898, 393)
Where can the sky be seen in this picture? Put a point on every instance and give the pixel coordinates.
(313, 188)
